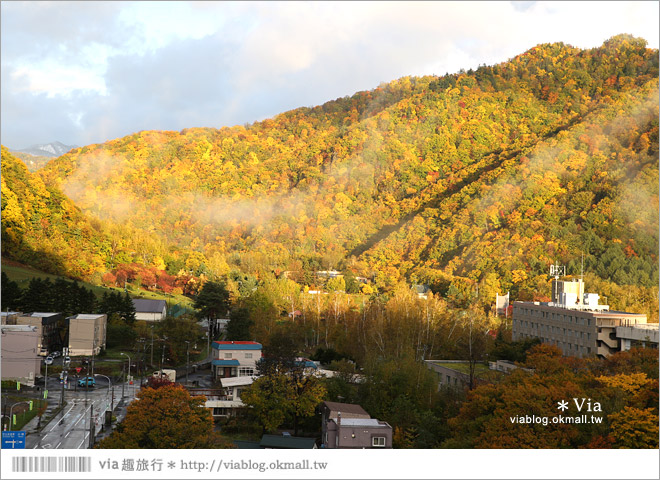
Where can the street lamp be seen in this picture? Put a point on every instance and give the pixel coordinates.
(11, 410)
(112, 389)
(112, 400)
(129, 363)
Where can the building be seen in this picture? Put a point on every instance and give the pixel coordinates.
(456, 373)
(575, 322)
(357, 433)
(347, 425)
(48, 328)
(331, 410)
(9, 318)
(235, 359)
(228, 401)
(87, 334)
(150, 310)
(422, 291)
(644, 335)
(501, 303)
(19, 352)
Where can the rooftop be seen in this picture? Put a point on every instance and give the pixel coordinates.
(87, 316)
(225, 363)
(145, 305)
(362, 422)
(18, 328)
(461, 366)
(40, 314)
(236, 345)
(346, 408)
(286, 441)
(237, 381)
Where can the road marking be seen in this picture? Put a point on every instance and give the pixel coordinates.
(83, 440)
(67, 434)
(56, 423)
(58, 445)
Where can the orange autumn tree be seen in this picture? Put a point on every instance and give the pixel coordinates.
(167, 417)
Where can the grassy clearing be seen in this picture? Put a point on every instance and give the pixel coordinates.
(22, 274)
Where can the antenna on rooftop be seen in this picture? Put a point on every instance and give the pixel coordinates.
(557, 271)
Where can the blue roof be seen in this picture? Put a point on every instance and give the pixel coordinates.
(237, 345)
(225, 363)
(306, 364)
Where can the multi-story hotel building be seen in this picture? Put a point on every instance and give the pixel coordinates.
(575, 322)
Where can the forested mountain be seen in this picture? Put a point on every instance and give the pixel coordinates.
(481, 178)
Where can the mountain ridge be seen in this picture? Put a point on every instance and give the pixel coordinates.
(394, 183)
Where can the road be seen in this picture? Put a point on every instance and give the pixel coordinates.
(70, 429)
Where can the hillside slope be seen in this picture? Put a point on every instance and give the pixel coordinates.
(499, 171)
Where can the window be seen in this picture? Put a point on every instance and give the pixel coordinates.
(228, 355)
(248, 355)
(245, 372)
(448, 379)
(220, 412)
(378, 441)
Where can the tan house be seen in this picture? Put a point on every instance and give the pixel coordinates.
(19, 352)
(87, 333)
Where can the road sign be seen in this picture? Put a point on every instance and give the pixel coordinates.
(78, 369)
(13, 439)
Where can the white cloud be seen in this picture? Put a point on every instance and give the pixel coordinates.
(53, 80)
(120, 67)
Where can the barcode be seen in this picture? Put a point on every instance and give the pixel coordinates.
(51, 464)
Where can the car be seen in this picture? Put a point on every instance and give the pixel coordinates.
(67, 359)
(56, 354)
(87, 382)
(49, 360)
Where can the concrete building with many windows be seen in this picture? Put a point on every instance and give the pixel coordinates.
(19, 348)
(47, 327)
(87, 334)
(575, 322)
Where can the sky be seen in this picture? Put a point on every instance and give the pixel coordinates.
(87, 72)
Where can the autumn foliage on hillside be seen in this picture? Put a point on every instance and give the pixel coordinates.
(501, 171)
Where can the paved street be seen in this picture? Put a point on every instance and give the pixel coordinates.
(70, 429)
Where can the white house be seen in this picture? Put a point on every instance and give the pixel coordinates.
(235, 358)
(150, 310)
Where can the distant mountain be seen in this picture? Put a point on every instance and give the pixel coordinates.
(32, 162)
(53, 149)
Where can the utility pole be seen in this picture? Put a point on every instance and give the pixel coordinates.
(187, 359)
(91, 426)
(64, 379)
(129, 365)
(152, 345)
(162, 360)
(96, 329)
